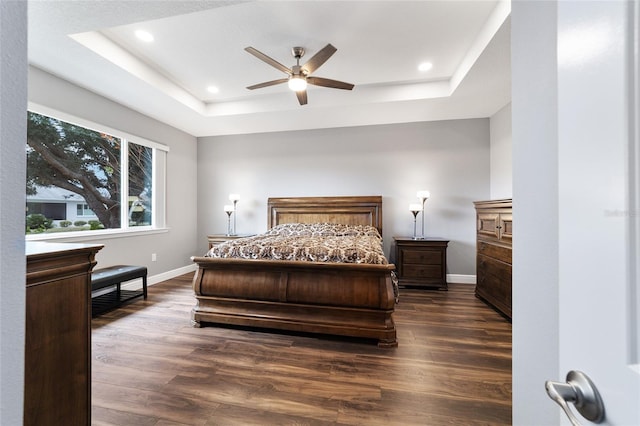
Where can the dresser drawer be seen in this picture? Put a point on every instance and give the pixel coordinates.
(422, 257)
(495, 251)
(494, 283)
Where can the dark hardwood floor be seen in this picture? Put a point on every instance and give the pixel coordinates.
(151, 367)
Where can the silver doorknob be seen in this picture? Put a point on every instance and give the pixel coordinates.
(580, 391)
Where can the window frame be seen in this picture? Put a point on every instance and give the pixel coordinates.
(158, 196)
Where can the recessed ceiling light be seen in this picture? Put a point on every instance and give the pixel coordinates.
(144, 36)
(213, 89)
(425, 66)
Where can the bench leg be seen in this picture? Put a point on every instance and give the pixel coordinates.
(144, 287)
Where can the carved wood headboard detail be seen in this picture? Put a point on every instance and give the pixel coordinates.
(356, 210)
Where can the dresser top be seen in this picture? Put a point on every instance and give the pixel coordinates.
(419, 240)
(504, 203)
(35, 248)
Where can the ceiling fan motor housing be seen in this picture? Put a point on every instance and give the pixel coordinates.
(297, 70)
(297, 52)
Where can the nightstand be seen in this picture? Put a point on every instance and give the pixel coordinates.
(215, 239)
(421, 263)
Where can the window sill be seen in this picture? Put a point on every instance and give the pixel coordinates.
(95, 236)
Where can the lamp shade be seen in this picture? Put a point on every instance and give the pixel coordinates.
(415, 207)
(228, 208)
(423, 195)
(234, 197)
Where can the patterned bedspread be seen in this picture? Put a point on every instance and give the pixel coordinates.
(317, 242)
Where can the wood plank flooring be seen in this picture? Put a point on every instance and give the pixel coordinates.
(151, 367)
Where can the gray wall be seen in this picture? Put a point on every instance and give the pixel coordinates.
(174, 247)
(13, 131)
(448, 158)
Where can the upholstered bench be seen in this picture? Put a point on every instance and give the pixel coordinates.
(115, 276)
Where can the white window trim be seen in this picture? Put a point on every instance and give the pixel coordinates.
(50, 112)
(96, 235)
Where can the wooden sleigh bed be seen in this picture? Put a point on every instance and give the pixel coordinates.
(347, 299)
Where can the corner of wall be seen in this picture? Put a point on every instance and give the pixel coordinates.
(501, 141)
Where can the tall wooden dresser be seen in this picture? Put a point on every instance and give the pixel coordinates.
(57, 378)
(494, 227)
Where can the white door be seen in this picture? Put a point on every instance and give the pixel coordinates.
(599, 201)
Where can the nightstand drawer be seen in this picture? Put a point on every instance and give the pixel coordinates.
(422, 271)
(216, 239)
(422, 257)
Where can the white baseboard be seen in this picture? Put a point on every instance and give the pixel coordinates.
(154, 279)
(171, 274)
(461, 279)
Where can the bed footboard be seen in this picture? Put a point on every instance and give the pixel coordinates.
(341, 299)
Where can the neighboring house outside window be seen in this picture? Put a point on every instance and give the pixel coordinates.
(79, 177)
(59, 205)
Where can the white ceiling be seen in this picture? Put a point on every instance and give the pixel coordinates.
(201, 43)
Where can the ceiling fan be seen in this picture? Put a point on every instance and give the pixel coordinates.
(300, 75)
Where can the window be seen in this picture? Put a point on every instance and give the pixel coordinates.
(84, 210)
(112, 181)
(55, 211)
(140, 185)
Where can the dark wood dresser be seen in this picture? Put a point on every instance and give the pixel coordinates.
(422, 262)
(57, 378)
(494, 227)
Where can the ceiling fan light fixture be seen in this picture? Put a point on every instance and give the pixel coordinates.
(297, 83)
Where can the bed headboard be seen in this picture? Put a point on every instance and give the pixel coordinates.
(356, 210)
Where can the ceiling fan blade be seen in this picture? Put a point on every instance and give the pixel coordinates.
(268, 60)
(326, 82)
(319, 58)
(302, 97)
(268, 83)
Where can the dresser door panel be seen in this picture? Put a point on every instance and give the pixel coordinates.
(506, 227)
(488, 225)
